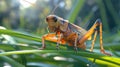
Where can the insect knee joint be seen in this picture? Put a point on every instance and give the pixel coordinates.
(98, 21)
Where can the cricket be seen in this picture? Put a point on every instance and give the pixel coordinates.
(65, 32)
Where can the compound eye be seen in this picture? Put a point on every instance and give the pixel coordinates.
(55, 19)
(46, 18)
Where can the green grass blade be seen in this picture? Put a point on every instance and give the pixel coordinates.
(11, 61)
(76, 8)
(109, 59)
(20, 35)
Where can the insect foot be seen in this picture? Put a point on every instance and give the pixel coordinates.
(102, 51)
(75, 48)
(57, 47)
(43, 47)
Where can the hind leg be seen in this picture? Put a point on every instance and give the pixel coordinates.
(98, 23)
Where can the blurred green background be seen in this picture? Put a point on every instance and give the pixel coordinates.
(29, 15)
(25, 24)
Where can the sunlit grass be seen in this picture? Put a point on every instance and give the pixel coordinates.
(50, 52)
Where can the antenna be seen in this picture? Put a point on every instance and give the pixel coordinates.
(29, 2)
(52, 12)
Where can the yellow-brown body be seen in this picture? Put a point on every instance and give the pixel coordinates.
(65, 32)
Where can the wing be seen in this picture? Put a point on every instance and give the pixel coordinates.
(81, 32)
(77, 29)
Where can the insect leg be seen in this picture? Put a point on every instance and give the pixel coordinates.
(101, 42)
(49, 37)
(52, 37)
(58, 41)
(93, 41)
(43, 43)
(75, 44)
(91, 31)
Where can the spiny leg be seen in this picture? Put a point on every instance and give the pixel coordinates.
(72, 40)
(91, 31)
(46, 37)
(93, 41)
(43, 43)
(51, 37)
(101, 42)
(57, 46)
(58, 41)
(75, 45)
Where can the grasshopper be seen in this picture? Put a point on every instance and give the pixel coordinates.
(72, 34)
(65, 32)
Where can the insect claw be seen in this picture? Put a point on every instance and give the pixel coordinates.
(43, 47)
(91, 50)
(102, 51)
